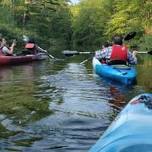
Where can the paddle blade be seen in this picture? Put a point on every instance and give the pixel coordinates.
(150, 52)
(130, 36)
(70, 53)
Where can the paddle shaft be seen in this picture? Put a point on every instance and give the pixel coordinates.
(86, 52)
(86, 60)
(145, 52)
(71, 53)
(46, 52)
(49, 55)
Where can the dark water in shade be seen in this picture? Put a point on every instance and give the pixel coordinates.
(60, 106)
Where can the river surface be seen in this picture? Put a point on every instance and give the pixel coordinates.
(60, 106)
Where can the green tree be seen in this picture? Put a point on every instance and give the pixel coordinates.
(46, 20)
(89, 23)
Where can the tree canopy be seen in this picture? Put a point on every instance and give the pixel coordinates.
(99, 20)
(58, 24)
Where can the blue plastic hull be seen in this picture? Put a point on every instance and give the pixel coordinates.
(132, 129)
(125, 75)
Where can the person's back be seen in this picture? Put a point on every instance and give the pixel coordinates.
(118, 51)
(117, 54)
(32, 48)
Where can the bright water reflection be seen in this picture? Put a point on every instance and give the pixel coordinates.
(58, 107)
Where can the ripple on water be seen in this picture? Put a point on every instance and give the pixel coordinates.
(80, 113)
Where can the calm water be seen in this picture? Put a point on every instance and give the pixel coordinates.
(60, 106)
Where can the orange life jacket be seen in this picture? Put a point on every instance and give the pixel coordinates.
(29, 45)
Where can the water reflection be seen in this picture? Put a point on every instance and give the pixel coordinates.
(59, 107)
(77, 102)
(118, 100)
(78, 91)
(18, 104)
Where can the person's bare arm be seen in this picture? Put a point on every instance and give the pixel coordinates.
(12, 47)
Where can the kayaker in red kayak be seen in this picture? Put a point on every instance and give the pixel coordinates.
(32, 48)
(117, 53)
(5, 49)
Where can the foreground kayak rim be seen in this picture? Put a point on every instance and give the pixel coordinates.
(11, 60)
(120, 73)
(132, 129)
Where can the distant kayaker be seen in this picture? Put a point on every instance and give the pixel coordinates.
(32, 48)
(117, 53)
(5, 49)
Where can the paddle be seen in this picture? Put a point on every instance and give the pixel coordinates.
(146, 52)
(86, 60)
(46, 52)
(129, 36)
(71, 53)
(27, 39)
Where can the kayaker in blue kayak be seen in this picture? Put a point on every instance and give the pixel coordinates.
(117, 53)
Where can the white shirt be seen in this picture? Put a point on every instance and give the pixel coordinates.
(5, 50)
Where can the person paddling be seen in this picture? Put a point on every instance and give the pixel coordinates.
(32, 48)
(117, 53)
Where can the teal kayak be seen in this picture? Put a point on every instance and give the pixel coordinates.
(132, 129)
(121, 73)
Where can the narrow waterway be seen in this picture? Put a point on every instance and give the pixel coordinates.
(60, 106)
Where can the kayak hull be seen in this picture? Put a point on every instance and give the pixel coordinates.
(11, 60)
(132, 129)
(121, 73)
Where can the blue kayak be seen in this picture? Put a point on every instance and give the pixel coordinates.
(121, 73)
(132, 129)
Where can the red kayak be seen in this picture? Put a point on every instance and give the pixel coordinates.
(10, 60)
